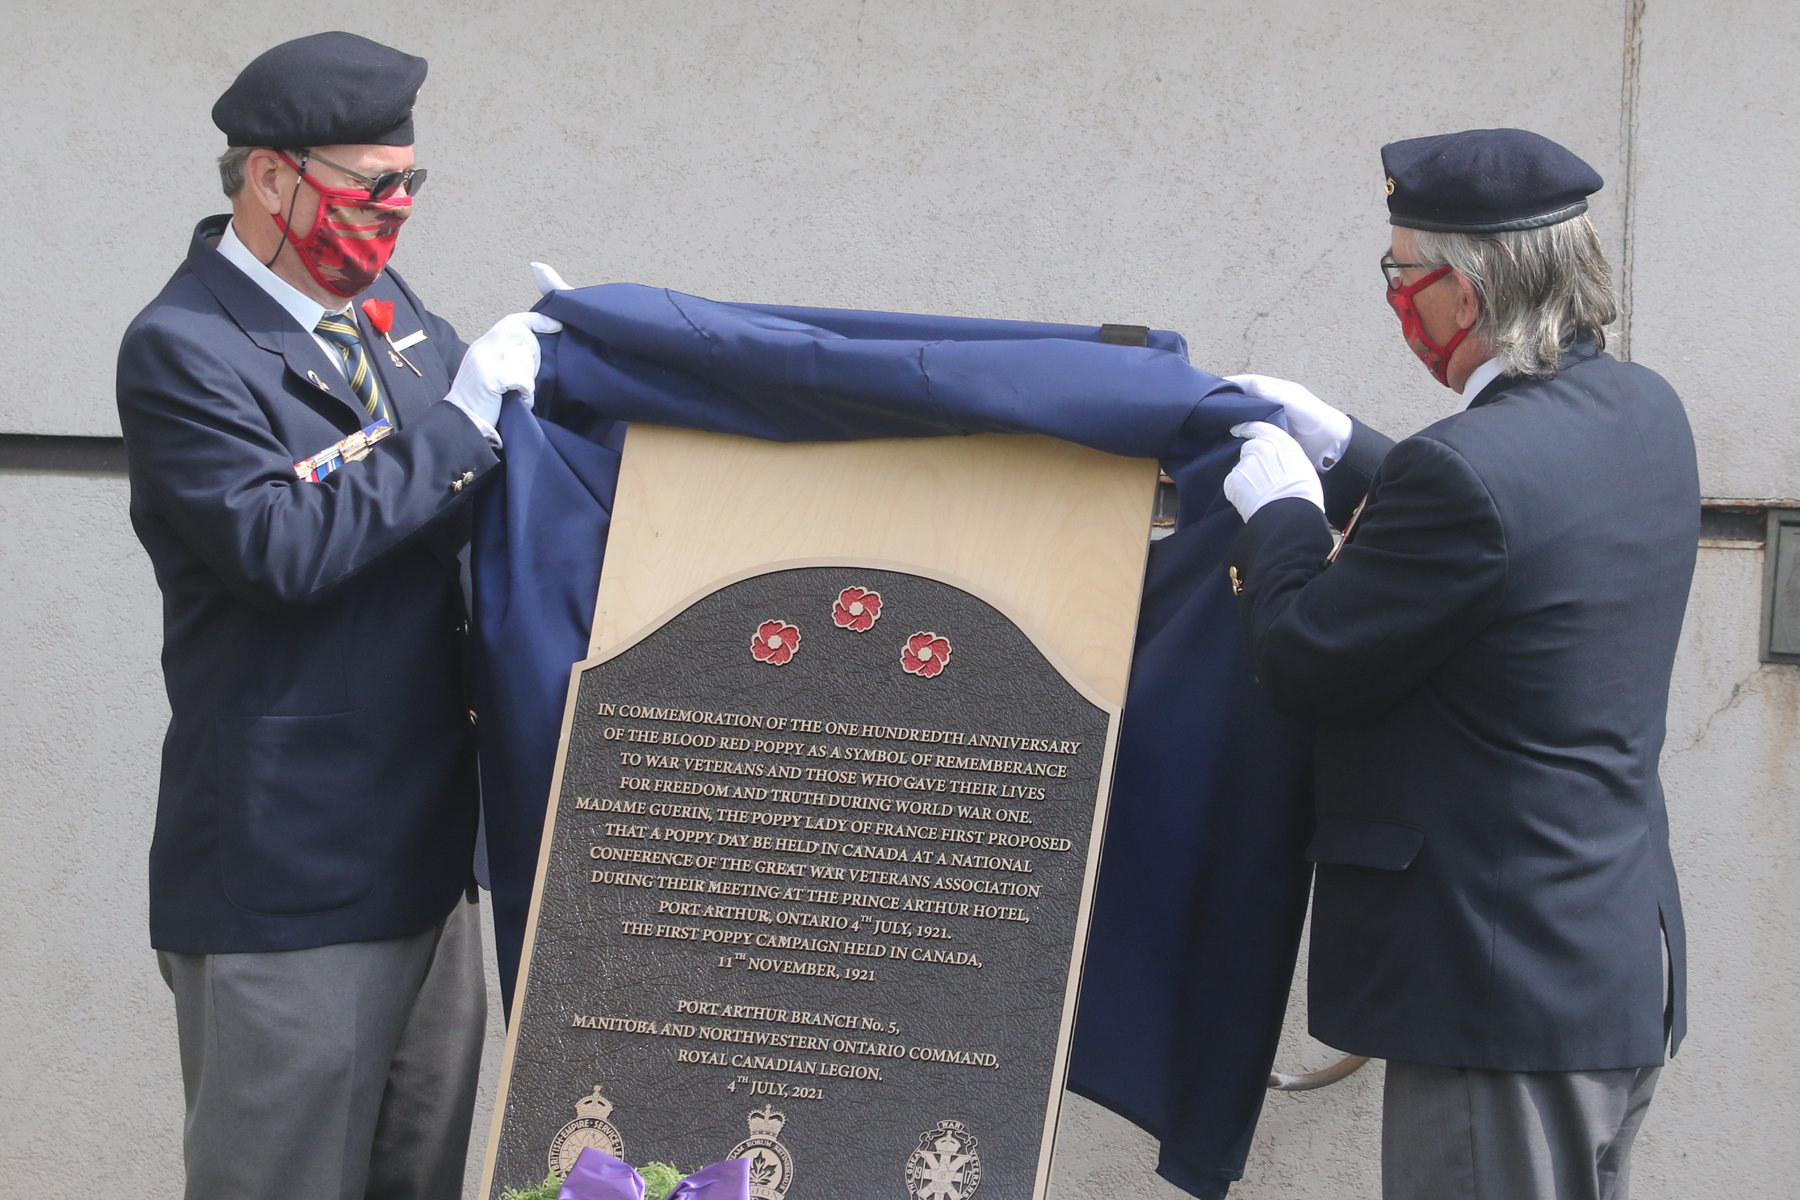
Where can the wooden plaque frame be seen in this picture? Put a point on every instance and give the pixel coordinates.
(1053, 534)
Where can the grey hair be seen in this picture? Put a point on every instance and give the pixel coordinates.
(231, 169)
(1541, 289)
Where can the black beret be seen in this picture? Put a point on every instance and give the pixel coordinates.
(330, 89)
(1484, 181)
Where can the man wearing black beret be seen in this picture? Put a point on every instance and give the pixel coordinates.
(304, 439)
(1487, 659)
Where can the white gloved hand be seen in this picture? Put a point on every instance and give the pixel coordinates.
(1322, 431)
(547, 279)
(502, 360)
(1271, 466)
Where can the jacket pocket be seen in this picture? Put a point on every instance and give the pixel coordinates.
(296, 830)
(1360, 842)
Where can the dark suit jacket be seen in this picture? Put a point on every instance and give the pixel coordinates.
(1488, 662)
(318, 776)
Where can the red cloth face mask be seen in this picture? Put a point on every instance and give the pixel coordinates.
(1435, 357)
(351, 238)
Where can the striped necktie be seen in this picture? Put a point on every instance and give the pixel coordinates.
(340, 330)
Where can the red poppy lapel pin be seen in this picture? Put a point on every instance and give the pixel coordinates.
(381, 316)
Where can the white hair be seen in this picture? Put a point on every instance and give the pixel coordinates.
(231, 169)
(1541, 289)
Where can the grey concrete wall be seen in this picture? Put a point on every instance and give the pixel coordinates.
(1715, 202)
(84, 1018)
(1207, 167)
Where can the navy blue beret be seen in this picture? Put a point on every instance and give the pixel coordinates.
(1484, 181)
(330, 89)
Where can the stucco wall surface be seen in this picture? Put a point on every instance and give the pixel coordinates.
(87, 1045)
(1210, 167)
(1207, 167)
(1715, 198)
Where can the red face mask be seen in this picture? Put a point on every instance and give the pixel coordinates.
(1435, 357)
(351, 239)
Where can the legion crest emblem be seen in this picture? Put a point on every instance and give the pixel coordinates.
(945, 1166)
(589, 1128)
(771, 1166)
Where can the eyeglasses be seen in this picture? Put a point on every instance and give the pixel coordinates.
(384, 185)
(1392, 269)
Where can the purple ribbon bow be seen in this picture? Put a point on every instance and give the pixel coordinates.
(597, 1175)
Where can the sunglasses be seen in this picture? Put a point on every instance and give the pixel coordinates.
(384, 185)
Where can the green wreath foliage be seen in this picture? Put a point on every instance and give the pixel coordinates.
(660, 1179)
(546, 1190)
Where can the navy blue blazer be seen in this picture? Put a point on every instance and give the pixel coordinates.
(318, 776)
(1488, 661)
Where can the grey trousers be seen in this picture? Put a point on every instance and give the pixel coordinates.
(1450, 1133)
(342, 1072)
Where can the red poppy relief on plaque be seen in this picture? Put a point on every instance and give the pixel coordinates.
(774, 642)
(857, 609)
(925, 654)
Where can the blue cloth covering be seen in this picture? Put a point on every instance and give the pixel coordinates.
(1203, 887)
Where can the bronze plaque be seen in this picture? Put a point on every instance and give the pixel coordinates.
(814, 892)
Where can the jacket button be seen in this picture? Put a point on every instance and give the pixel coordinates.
(471, 716)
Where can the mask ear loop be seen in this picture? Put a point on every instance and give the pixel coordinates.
(288, 224)
(1440, 370)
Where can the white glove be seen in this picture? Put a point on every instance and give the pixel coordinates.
(1322, 431)
(1271, 466)
(547, 279)
(502, 360)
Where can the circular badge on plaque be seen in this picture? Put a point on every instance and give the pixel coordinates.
(771, 1166)
(945, 1166)
(589, 1128)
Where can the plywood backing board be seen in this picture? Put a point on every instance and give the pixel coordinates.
(1057, 533)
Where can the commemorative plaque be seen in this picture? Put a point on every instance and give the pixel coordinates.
(814, 891)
